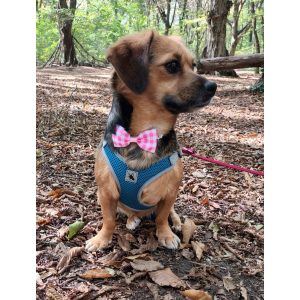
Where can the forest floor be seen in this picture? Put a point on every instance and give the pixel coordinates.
(226, 205)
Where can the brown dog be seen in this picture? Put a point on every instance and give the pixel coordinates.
(153, 82)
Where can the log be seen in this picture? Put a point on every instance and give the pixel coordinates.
(230, 62)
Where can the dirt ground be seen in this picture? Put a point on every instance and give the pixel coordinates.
(226, 205)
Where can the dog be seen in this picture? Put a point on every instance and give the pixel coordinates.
(153, 82)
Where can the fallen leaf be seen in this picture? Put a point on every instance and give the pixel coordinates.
(215, 229)
(111, 259)
(258, 226)
(59, 192)
(132, 257)
(214, 204)
(195, 188)
(188, 228)
(66, 258)
(39, 152)
(123, 243)
(53, 294)
(98, 273)
(204, 200)
(154, 290)
(198, 174)
(62, 231)
(75, 228)
(146, 265)
(187, 254)
(166, 277)
(130, 238)
(228, 283)
(244, 293)
(196, 295)
(135, 276)
(42, 221)
(39, 280)
(198, 248)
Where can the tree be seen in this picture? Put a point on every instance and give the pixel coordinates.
(237, 33)
(218, 11)
(66, 16)
(166, 15)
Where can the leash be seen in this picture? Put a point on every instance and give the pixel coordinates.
(191, 152)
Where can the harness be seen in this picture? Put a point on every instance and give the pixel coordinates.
(131, 182)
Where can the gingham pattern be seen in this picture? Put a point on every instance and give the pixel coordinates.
(147, 140)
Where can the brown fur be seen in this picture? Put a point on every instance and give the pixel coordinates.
(139, 61)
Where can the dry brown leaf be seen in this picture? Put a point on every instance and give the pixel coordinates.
(152, 243)
(53, 294)
(135, 276)
(62, 231)
(130, 238)
(188, 228)
(166, 277)
(98, 273)
(146, 265)
(132, 257)
(66, 258)
(196, 295)
(204, 200)
(42, 221)
(244, 293)
(198, 248)
(111, 259)
(123, 243)
(214, 204)
(59, 192)
(228, 283)
(154, 290)
(187, 254)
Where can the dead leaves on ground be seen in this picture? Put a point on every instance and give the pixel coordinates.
(65, 260)
(57, 193)
(146, 265)
(166, 277)
(196, 295)
(98, 273)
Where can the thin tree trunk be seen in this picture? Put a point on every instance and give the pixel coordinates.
(65, 21)
(255, 36)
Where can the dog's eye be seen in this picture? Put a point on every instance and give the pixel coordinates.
(173, 67)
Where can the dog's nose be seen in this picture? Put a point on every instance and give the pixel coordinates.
(210, 87)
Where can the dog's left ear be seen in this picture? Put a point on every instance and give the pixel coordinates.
(130, 58)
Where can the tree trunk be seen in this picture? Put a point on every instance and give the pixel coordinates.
(216, 31)
(230, 62)
(255, 36)
(65, 21)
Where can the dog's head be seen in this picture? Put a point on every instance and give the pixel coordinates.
(151, 67)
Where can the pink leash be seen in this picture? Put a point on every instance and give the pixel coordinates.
(191, 151)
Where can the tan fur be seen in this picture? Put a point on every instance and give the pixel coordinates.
(148, 112)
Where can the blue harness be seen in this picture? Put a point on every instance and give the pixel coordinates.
(131, 182)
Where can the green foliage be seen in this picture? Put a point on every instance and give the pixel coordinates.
(47, 35)
(97, 24)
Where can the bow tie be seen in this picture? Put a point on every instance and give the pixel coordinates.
(147, 140)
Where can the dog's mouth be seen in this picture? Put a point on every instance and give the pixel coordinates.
(175, 105)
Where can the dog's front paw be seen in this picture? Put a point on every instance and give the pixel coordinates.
(133, 222)
(168, 239)
(98, 242)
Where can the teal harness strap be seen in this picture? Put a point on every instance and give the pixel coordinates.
(131, 182)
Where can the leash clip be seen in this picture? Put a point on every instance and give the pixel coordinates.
(187, 151)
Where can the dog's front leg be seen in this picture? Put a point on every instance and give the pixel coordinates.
(109, 209)
(163, 231)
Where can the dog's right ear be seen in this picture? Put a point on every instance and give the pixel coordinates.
(130, 58)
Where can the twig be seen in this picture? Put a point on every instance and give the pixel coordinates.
(52, 55)
(232, 251)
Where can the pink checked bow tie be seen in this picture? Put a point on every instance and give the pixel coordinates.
(147, 140)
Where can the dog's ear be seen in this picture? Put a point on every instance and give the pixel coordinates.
(130, 58)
